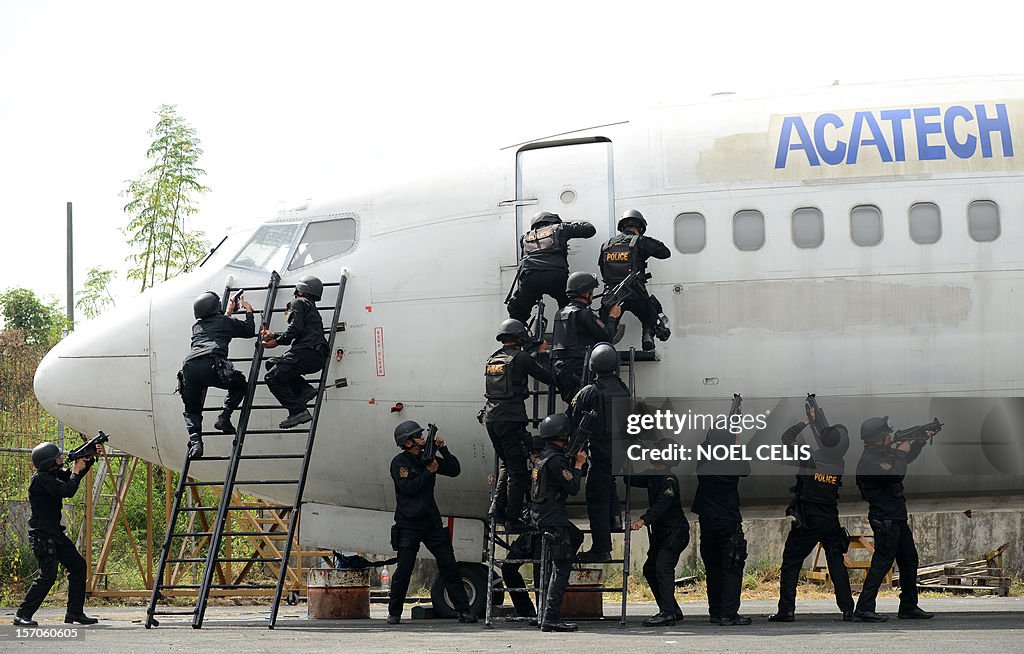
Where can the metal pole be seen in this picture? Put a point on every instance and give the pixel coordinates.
(71, 272)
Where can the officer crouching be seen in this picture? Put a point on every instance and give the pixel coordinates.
(50, 485)
(555, 478)
(418, 520)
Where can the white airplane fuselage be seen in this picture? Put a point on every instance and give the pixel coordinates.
(434, 257)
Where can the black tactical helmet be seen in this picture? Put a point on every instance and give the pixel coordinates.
(406, 430)
(544, 218)
(206, 305)
(310, 285)
(632, 217)
(555, 426)
(835, 441)
(603, 358)
(580, 283)
(874, 430)
(513, 328)
(44, 456)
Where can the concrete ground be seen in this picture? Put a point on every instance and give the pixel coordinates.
(982, 624)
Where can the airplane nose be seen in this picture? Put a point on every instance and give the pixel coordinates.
(98, 377)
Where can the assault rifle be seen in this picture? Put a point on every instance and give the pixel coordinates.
(429, 452)
(918, 433)
(631, 285)
(580, 438)
(820, 422)
(88, 450)
(737, 402)
(635, 285)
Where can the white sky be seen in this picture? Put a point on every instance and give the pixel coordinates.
(306, 99)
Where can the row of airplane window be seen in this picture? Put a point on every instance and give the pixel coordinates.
(807, 226)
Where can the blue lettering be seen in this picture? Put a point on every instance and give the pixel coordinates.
(927, 152)
(1001, 124)
(966, 149)
(860, 119)
(896, 117)
(790, 123)
(831, 157)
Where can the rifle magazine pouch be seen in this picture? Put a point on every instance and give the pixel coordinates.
(736, 550)
(180, 388)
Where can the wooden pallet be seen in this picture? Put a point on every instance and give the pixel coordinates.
(984, 575)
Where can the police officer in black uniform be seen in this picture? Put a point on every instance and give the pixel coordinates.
(669, 534)
(722, 545)
(50, 485)
(506, 374)
(544, 266)
(815, 513)
(602, 492)
(880, 474)
(555, 478)
(207, 365)
(418, 520)
(308, 352)
(624, 253)
(523, 549)
(577, 329)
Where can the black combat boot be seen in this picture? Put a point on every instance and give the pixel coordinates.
(80, 618)
(782, 616)
(869, 616)
(647, 340)
(296, 419)
(223, 423)
(195, 447)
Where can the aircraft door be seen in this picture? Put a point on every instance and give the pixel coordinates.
(574, 179)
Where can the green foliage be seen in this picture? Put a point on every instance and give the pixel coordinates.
(161, 199)
(95, 297)
(41, 323)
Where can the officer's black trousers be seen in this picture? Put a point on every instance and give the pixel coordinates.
(438, 542)
(723, 567)
(569, 377)
(602, 502)
(511, 442)
(284, 377)
(533, 284)
(198, 375)
(63, 551)
(666, 545)
(893, 542)
(561, 552)
(800, 542)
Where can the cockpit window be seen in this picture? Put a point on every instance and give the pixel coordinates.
(324, 239)
(267, 248)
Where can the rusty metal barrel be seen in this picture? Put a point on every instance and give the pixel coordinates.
(338, 594)
(582, 600)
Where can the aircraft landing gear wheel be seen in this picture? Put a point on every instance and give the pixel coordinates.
(474, 580)
(292, 599)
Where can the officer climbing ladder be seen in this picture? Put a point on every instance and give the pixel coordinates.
(307, 289)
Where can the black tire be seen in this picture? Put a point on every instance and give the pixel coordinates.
(474, 579)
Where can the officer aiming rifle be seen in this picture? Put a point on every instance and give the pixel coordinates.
(51, 483)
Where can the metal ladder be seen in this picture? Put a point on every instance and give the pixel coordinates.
(213, 537)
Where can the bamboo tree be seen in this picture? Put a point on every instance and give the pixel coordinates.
(161, 199)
